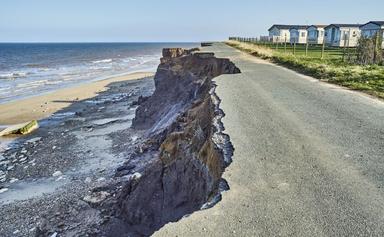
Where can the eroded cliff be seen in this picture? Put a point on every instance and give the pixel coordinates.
(174, 165)
(185, 139)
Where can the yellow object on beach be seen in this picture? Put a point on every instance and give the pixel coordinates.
(23, 128)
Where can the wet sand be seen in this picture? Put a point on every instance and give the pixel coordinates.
(42, 106)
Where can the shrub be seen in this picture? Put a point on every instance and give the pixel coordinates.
(369, 50)
(365, 51)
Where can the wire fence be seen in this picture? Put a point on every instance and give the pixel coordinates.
(321, 51)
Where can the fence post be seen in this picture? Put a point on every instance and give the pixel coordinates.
(349, 45)
(306, 49)
(345, 46)
(377, 47)
(294, 47)
(323, 48)
(285, 44)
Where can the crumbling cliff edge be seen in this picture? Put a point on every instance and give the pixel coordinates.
(190, 152)
(173, 167)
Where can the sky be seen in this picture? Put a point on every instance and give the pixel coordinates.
(168, 20)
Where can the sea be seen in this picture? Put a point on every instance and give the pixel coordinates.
(29, 69)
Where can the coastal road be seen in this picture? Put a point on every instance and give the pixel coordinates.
(308, 161)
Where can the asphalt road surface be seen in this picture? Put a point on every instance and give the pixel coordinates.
(308, 161)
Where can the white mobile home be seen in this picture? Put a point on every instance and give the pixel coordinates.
(279, 33)
(342, 35)
(370, 30)
(315, 34)
(298, 34)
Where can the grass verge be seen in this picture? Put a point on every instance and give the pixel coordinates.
(369, 79)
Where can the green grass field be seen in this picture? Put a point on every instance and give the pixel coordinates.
(332, 68)
(314, 51)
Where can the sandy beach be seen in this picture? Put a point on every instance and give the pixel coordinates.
(44, 105)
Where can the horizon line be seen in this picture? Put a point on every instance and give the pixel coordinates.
(91, 42)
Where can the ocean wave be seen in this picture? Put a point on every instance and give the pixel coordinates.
(45, 69)
(109, 60)
(32, 83)
(5, 89)
(53, 82)
(100, 67)
(139, 60)
(36, 65)
(13, 75)
(38, 70)
(127, 60)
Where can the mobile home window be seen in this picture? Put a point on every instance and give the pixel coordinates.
(302, 34)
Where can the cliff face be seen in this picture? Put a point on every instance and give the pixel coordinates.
(181, 78)
(185, 140)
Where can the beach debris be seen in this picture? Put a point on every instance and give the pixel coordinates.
(136, 176)
(16, 232)
(23, 159)
(134, 138)
(5, 162)
(32, 161)
(2, 157)
(101, 108)
(33, 140)
(3, 176)
(125, 170)
(96, 197)
(105, 121)
(88, 180)
(3, 190)
(54, 234)
(23, 128)
(57, 173)
(13, 180)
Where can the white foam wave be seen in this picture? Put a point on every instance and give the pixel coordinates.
(36, 79)
(13, 75)
(5, 89)
(109, 60)
(32, 83)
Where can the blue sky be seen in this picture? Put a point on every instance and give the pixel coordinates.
(168, 20)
